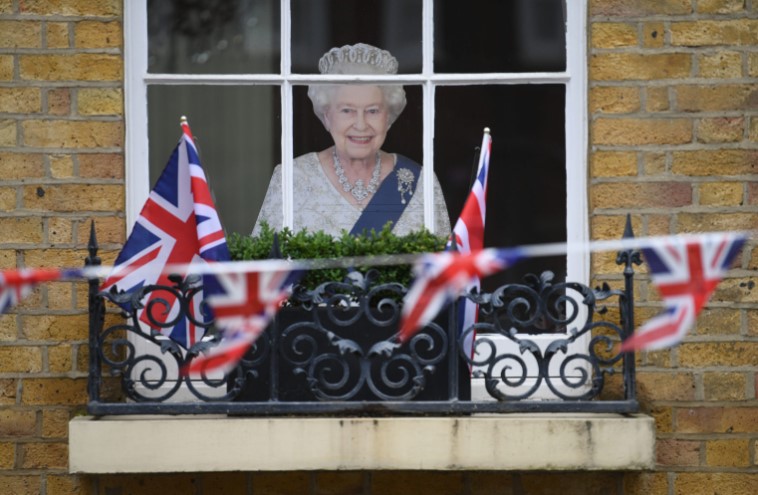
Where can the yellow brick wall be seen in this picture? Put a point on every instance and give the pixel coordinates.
(673, 107)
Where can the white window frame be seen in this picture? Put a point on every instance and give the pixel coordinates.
(574, 78)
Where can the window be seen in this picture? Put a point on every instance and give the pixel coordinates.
(239, 70)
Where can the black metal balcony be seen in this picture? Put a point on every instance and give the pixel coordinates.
(334, 350)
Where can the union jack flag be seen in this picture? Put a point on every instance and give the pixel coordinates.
(17, 284)
(686, 271)
(469, 237)
(177, 225)
(440, 278)
(244, 307)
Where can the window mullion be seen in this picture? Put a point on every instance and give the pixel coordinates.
(287, 117)
(427, 70)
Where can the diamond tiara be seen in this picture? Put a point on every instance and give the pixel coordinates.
(358, 58)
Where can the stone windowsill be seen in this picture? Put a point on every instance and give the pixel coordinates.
(161, 444)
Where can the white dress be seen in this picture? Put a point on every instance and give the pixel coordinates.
(319, 206)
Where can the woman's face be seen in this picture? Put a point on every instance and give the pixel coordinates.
(358, 120)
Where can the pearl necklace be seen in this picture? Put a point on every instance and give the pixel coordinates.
(359, 191)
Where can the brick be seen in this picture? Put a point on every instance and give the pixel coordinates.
(719, 6)
(752, 322)
(724, 65)
(718, 321)
(611, 226)
(720, 130)
(8, 389)
(752, 189)
(18, 359)
(62, 166)
(700, 354)
(60, 296)
(150, 484)
(74, 197)
(724, 386)
(713, 483)
(7, 133)
(59, 230)
(737, 290)
(59, 101)
(102, 8)
(663, 416)
(58, 35)
(7, 198)
(21, 484)
(667, 386)
(658, 225)
(657, 99)
(613, 164)
(675, 452)
(101, 166)
(653, 35)
(55, 423)
(7, 455)
(536, 483)
(614, 99)
(73, 134)
(339, 483)
(393, 482)
(613, 35)
(20, 34)
(20, 100)
(44, 455)
(621, 132)
(6, 67)
(753, 132)
(710, 33)
(109, 230)
(17, 423)
(715, 97)
(721, 194)
(635, 66)
(96, 34)
(752, 64)
(641, 194)
(100, 101)
(55, 327)
(60, 359)
(6, 6)
(715, 162)
(654, 163)
(65, 484)
(8, 328)
(71, 67)
(638, 8)
(15, 166)
(54, 391)
(7, 260)
(21, 230)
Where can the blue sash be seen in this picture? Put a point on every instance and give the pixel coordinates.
(387, 205)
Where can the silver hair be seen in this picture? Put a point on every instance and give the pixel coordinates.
(357, 59)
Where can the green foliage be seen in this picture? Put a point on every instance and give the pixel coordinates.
(314, 245)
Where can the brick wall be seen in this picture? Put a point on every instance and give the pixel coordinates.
(674, 141)
(61, 165)
(674, 113)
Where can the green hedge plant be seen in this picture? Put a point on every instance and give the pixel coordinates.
(314, 245)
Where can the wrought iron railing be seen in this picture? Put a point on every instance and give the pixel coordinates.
(334, 349)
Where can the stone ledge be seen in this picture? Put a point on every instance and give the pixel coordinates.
(162, 444)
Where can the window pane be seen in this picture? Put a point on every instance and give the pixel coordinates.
(213, 36)
(237, 133)
(499, 36)
(526, 201)
(318, 25)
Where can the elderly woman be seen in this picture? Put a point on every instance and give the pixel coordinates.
(355, 185)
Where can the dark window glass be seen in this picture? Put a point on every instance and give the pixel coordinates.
(526, 201)
(499, 36)
(318, 25)
(237, 131)
(213, 36)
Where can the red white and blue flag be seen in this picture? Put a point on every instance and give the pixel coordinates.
(441, 277)
(248, 301)
(17, 284)
(177, 225)
(686, 271)
(468, 234)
